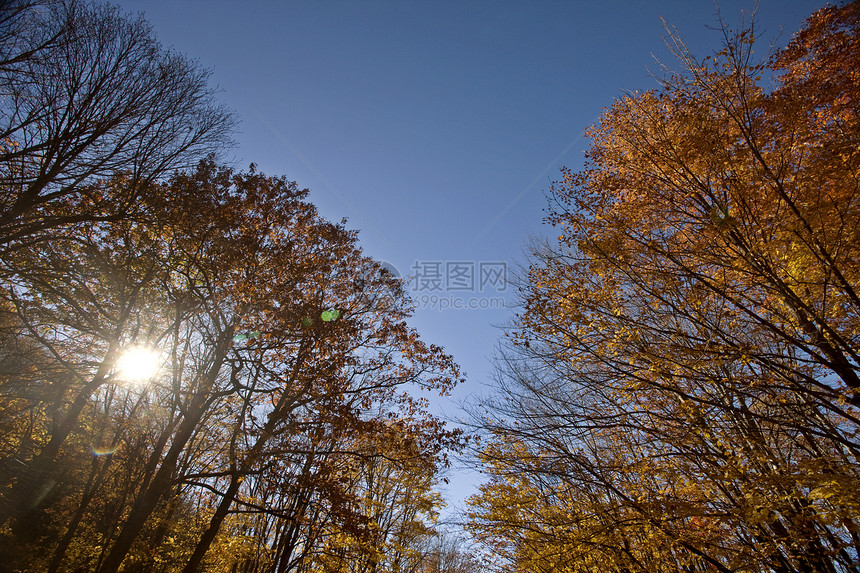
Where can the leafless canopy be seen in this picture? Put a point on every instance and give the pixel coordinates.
(85, 92)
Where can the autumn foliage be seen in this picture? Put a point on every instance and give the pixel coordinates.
(285, 426)
(284, 365)
(681, 390)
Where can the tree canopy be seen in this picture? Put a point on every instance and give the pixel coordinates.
(682, 383)
(88, 93)
(197, 370)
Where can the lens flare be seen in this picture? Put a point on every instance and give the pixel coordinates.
(330, 315)
(104, 450)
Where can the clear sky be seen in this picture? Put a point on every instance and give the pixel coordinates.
(437, 127)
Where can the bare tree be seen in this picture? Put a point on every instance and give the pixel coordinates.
(87, 92)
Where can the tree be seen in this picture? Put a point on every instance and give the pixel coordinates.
(267, 340)
(683, 380)
(333, 352)
(76, 301)
(447, 553)
(88, 93)
(389, 477)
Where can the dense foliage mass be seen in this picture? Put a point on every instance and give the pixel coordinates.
(681, 390)
(283, 428)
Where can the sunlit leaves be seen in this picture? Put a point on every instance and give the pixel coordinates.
(681, 389)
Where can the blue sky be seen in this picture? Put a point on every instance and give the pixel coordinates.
(437, 127)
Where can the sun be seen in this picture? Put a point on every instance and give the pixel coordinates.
(137, 364)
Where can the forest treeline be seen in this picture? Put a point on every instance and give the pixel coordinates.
(680, 390)
(284, 428)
